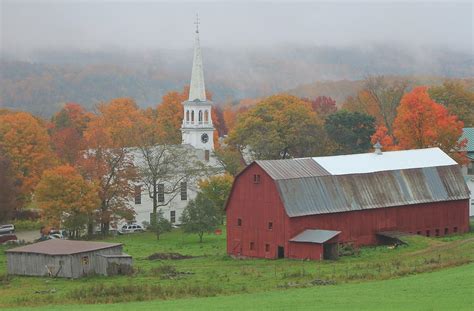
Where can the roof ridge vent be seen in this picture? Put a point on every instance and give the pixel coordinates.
(378, 148)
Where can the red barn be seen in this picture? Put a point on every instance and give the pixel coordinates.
(303, 208)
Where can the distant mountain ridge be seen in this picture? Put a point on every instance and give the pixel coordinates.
(43, 82)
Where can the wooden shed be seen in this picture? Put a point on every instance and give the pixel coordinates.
(69, 259)
(304, 208)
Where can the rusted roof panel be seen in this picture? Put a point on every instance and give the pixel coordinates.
(292, 168)
(62, 247)
(341, 193)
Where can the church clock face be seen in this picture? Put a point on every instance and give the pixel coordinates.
(204, 138)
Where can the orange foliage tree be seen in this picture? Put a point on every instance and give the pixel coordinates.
(66, 199)
(67, 127)
(9, 189)
(422, 123)
(25, 141)
(107, 160)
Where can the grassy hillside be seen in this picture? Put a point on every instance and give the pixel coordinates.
(212, 273)
(450, 289)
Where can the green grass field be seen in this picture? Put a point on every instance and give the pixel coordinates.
(212, 273)
(449, 289)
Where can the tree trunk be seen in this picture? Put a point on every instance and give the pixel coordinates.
(155, 198)
(200, 236)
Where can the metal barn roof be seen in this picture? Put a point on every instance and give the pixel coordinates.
(62, 247)
(343, 193)
(315, 236)
(387, 161)
(292, 168)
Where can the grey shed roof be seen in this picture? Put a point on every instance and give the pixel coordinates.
(315, 236)
(62, 247)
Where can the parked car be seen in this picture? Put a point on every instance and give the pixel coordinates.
(7, 237)
(4, 229)
(131, 229)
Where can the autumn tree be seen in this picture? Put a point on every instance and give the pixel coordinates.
(67, 130)
(387, 96)
(108, 162)
(170, 116)
(350, 130)
(200, 217)
(230, 159)
(422, 123)
(25, 141)
(216, 190)
(9, 189)
(279, 127)
(457, 98)
(66, 199)
(323, 106)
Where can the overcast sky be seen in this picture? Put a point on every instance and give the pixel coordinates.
(145, 25)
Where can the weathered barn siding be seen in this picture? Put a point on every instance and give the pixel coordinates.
(68, 266)
(78, 267)
(257, 204)
(38, 264)
(105, 264)
(312, 251)
(359, 227)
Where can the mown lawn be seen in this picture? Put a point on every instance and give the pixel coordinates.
(212, 273)
(448, 289)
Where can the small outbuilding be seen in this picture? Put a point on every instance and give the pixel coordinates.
(69, 259)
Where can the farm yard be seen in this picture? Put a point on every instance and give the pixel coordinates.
(182, 269)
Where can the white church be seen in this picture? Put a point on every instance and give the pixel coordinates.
(197, 137)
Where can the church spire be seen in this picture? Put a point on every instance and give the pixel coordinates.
(197, 89)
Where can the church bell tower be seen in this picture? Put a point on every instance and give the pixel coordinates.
(197, 128)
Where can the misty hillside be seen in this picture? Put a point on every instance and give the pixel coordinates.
(46, 80)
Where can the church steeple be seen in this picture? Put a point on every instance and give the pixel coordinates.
(197, 89)
(197, 128)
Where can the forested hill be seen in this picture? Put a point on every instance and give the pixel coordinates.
(42, 82)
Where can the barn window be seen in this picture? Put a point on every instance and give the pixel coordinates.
(161, 192)
(256, 179)
(184, 191)
(437, 232)
(446, 231)
(270, 225)
(267, 247)
(427, 232)
(455, 229)
(418, 232)
(85, 260)
(172, 217)
(239, 222)
(138, 195)
(252, 246)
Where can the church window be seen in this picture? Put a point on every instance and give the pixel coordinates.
(206, 116)
(192, 116)
(172, 217)
(161, 192)
(184, 191)
(187, 115)
(200, 116)
(138, 194)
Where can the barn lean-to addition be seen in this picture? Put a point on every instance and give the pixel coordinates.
(304, 208)
(69, 259)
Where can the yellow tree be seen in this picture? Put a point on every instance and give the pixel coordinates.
(66, 200)
(25, 141)
(279, 127)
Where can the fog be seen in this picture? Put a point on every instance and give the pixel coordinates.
(29, 26)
